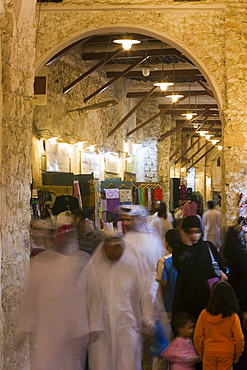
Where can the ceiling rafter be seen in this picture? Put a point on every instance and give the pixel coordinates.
(158, 73)
(101, 89)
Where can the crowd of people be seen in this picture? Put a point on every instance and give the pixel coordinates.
(99, 299)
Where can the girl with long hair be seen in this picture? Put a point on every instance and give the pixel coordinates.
(218, 337)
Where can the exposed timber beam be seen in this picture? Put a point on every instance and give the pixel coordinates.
(133, 54)
(178, 112)
(153, 117)
(187, 106)
(192, 145)
(186, 122)
(197, 141)
(66, 50)
(189, 159)
(203, 85)
(187, 139)
(161, 94)
(216, 122)
(101, 89)
(91, 70)
(199, 159)
(136, 74)
(132, 111)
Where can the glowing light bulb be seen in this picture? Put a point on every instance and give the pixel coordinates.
(163, 85)
(202, 133)
(207, 137)
(174, 97)
(219, 147)
(189, 115)
(214, 141)
(145, 71)
(126, 43)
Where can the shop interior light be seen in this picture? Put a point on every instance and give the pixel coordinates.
(126, 43)
(91, 148)
(53, 140)
(189, 115)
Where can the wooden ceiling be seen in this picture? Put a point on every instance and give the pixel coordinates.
(165, 62)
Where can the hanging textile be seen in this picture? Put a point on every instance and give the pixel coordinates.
(142, 197)
(158, 194)
(125, 195)
(112, 204)
(149, 199)
(112, 193)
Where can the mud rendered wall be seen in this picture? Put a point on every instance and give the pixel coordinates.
(16, 90)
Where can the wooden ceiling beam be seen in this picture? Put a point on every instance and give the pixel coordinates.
(178, 112)
(160, 94)
(153, 117)
(132, 111)
(188, 149)
(203, 85)
(199, 159)
(216, 122)
(101, 89)
(132, 53)
(186, 122)
(91, 70)
(187, 106)
(188, 138)
(159, 73)
(66, 50)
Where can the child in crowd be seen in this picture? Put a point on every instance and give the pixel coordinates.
(181, 352)
(218, 336)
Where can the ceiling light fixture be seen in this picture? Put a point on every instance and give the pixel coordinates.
(219, 147)
(126, 43)
(189, 115)
(175, 97)
(163, 85)
(214, 141)
(207, 137)
(203, 133)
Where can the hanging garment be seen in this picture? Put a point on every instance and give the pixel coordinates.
(125, 195)
(158, 194)
(112, 204)
(112, 193)
(62, 203)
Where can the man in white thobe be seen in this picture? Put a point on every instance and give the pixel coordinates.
(211, 225)
(127, 306)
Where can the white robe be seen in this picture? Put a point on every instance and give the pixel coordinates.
(162, 226)
(58, 313)
(211, 227)
(126, 302)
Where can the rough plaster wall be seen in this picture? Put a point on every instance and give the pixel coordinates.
(163, 157)
(17, 79)
(92, 125)
(235, 129)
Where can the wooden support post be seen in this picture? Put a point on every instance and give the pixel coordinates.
(122, 74)
(132, 111)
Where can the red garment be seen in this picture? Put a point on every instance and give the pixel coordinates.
(190, 209)
(158, 194)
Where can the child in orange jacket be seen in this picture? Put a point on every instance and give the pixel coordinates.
(218, 336)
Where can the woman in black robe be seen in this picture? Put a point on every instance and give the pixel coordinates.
(194, 265)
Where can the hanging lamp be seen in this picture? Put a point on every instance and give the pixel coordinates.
(126, 43)
(189, 115)
(163, 85)
(175, 97)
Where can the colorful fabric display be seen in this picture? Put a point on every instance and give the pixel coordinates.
(104, 205)
(125, 195)
(142, 197)
(158, 194)
(112, 193)
(112, 204)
